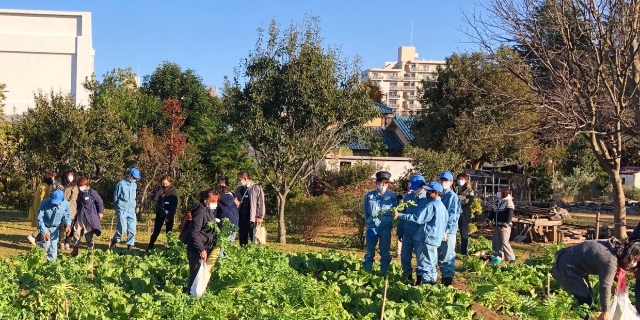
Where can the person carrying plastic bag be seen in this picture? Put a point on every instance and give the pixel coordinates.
(201, 242)
(574, 264)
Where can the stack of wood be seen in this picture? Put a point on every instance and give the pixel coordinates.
(554, 213)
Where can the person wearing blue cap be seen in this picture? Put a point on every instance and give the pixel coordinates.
(52, 213)
(379, 219)
(422, 230)
(447, 250)
(124, 202)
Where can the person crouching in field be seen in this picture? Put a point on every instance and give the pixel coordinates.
(43, 191)
(52, 213)
(90, 210)
(574, 264)
(378, 216)
(202, 238)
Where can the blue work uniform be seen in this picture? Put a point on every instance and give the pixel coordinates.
(50, 216)
(423, 230)
(124, 201)
(378, 227)
(447, 250)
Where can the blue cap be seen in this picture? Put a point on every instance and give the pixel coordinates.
(446, 176)
(135, 173)
(416, 181)
(57, 197)
(434, 186)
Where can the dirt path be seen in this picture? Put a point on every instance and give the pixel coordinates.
(480, 311)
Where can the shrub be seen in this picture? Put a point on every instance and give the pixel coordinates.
(632, 193)
(309, 215)
(350, 200)
(329, 181)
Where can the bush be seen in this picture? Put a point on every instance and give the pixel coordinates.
(16, 192)
(350, 200)
(329, 181)
(431, 163)
(631, 193)
(309, 215)
(582, 185)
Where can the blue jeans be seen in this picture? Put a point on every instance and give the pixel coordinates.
(447, 256)
(232, 238)
(51, 246)
(409, 246)
(427, 259)
(384, 236)
(126, 222)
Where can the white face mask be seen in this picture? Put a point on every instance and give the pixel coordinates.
(382, 189)
(635, 263)
(83, 188)
(70, 178)
(213, 206)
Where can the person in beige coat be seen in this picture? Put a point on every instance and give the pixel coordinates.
(43, 191)
(70, 188)
(250, 202)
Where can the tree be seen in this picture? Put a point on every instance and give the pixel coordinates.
(375, 92)
(294, 102)
(431, 163)
(472, 111)
(56, 134)
(176, 139)
(2, 98)
(118, 92)
(582, 61)
(220, 149)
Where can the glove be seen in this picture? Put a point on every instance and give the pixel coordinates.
(446, 237)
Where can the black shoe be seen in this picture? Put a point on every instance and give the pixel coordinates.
(129, 247)
(418, 281)
(150, 247)
(410, 280)
(447, 281)
(113, 244)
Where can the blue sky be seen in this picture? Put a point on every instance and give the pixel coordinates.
(212, 37)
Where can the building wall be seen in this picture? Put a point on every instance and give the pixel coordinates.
(631, 180)
(401, 80)
(397, 166)
(44, 50)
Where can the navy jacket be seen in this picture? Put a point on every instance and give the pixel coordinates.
(227, 208)
(91, 205)
(201, 238)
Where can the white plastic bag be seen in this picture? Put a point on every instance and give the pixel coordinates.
(259, 234)
(621, 307)
(202, 279)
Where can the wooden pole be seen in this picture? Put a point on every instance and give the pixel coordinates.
(597, 226)
(384, 298)
(548, 285)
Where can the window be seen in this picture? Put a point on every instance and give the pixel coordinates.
(345, 164)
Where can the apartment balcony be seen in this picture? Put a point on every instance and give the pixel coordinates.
(377, 77)
(392, 77)
(409, 87)
(393, 87)
(394, 95)
(409, 77)
(393, 105)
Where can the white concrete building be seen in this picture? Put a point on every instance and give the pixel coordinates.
(397, 166)
(630, 176)
(44, 50)
(401, 80)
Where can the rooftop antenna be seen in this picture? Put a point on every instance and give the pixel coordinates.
(412, 33)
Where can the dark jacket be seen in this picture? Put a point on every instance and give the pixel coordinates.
(166, 200)
(466, 196)
(201, 237)
(227, 208)
(635, 235)
(502, 212)
(89, 203)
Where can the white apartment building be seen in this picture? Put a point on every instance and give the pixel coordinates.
(401, 80)
(44, 50)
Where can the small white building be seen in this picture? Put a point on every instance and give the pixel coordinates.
(630, 176)
(44, 50)
(397, 166)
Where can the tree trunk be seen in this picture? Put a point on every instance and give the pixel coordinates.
(619, 210)
(282, 230)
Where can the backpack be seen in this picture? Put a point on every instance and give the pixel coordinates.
(185, 227)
